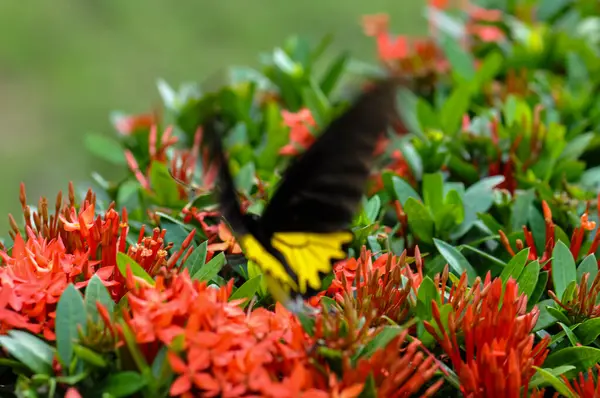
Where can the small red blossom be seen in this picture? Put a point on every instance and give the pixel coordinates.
(584, 386)
(127, 125)
(300, 135)
(582, 304)
(228, 242)
(576, 242)
(414, 56)
(398, 166)
(499, 344)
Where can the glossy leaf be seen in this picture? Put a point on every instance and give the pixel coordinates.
(563, 268)
(123, 260)
(70, 315)
(211, 268)
(95, 292)
(247, 290)
(457, 262)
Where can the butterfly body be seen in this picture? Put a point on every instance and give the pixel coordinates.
(306, 223)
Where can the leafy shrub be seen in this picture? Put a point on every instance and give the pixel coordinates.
(473, 268)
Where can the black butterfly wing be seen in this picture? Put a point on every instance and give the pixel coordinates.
(279, 276)
(307, 219)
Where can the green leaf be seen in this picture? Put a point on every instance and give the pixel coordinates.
(380, 341)
(456, 260)
(582, 358)
(89, 356)
(123, 260)
(419, 220)
(70, 314)
(454, 108)
(95, 292)
(334, 72)
(577, 146)
(515, 266)
(197, 259)
(123, 384)
(244, 179)
(570, 335)
(30, 350)
(105, 148)
(247, 290)
(462, 61)
(286, 64)
(168, 95)
(427, 116)
(558, 314)
(489, 68)
(163, 185)
(370, 388)
(563, 268)
(538, 226)
(520, 211)
(545, 319)
(569, 292)
(588, 265)
(433, 191)
(478, 198)
(317, 102)
(550, 376)
(588, 331)
(540, 289)
(211, 268)
(372, 208)
(427, 293)
(176, 233)
(528, 278)
(404, 190)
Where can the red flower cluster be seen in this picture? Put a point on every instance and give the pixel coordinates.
(576, 238)
(496, 333)
(216, 349)
(69, 247)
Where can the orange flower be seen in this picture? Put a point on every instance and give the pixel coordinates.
(82, 222)
(190, 373)
(54, 254)
(576, 238)
(300, 135)
(228, 241)
(72, 393)
(127, 125)
(584, 386)
(582, 304)
(398, 166)
(499, 344)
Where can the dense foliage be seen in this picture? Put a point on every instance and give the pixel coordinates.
(473, 270)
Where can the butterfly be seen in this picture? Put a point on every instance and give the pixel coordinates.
(305, 226)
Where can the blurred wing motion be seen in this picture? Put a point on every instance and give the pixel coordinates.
(305, 225)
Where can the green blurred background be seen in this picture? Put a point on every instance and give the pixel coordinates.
(66, 64)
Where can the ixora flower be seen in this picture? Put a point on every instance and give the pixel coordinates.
(127, 125)
(576, 238)
(300, 135)
(495, 331)
(70, 247)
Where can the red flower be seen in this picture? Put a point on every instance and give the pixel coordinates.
(398, 166)
(127, 125)
(300, 135)
(82, 222)
(582, 304)
(72, 393)
(496, 330)
(576, 238)
(584, 387)
(228, 242)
